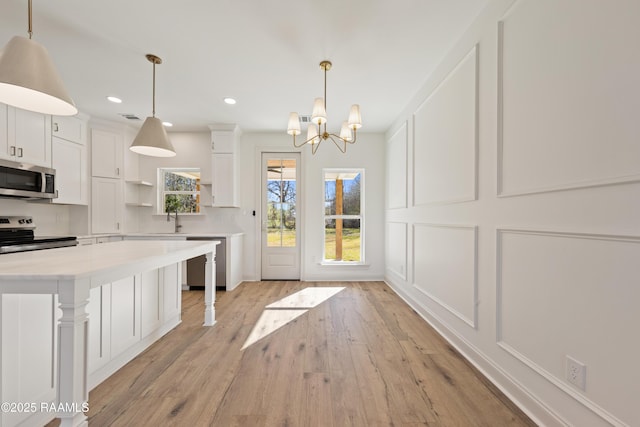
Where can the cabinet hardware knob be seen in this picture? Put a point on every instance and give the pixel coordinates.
(12, 150)
(55, 127)
(20, 152)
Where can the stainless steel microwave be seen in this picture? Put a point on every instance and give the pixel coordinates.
(27, 181)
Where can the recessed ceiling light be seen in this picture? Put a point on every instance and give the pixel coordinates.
(229, 101)
(167, 124)
(114, 99)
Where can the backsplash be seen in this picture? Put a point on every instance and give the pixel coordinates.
(50, 219)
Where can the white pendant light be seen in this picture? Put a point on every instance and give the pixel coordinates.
(152, 139)
(29, 80)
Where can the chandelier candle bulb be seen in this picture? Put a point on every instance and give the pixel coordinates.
(319, 115)
(312, 134)
(355, 120)
(294, 124)
(345, 132)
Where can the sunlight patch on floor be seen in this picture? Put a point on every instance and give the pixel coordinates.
(306, 298)
(281, 312)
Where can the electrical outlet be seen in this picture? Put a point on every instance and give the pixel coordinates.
(576, 373)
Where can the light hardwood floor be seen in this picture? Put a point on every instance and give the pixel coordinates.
(361, 358)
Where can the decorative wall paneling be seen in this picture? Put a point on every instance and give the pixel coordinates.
(445, 267)
(446, 138)
(557, 108)
(396, 252)
(568, 99)
(397, 169)
(569, 279)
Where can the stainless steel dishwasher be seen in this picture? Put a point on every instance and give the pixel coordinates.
(195, 266)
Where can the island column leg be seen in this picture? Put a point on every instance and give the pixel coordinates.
(73, 393)
(210, 289)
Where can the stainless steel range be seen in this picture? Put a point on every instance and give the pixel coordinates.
(17, 235)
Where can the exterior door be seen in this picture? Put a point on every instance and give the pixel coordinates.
(280, 216)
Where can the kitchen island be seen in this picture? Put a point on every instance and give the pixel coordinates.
(72, 316)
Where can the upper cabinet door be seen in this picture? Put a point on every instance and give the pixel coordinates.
(4, 141)
(70, 128)
(106, 154)
(28, 136)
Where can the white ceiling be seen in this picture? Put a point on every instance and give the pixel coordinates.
(263, 53)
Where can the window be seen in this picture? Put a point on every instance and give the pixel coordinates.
(343, 215)
(179, 190)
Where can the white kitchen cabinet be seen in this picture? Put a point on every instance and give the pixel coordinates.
(172, 292)
(4, 130)
(69, 159)
(28, 136)
(125, 314)
(99, 311)
(70, 128)
(106, 205)
(224, 183)
(224, 138)
(107, 161)
(151, 309)
(107, 156)
(224, 169)
(29, 357)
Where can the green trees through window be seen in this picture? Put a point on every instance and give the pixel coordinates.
(343, 215)
(180, 190)
(281, 202)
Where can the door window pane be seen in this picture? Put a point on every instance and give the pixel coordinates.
(281, 202)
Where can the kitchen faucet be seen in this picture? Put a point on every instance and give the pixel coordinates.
(178, 226)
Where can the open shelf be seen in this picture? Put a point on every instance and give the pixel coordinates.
(138, 182)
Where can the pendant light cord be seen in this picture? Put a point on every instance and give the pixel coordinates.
(30, 29)
(153, 110)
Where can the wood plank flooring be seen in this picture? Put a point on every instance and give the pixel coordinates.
(360, 358)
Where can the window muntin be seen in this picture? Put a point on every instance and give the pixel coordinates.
(179, 190)
(343, 215)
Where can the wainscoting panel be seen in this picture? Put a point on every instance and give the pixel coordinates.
(397, 169)
(568, 99)
(576, 295)
(445, 138)
(445, 267)
(396, 250)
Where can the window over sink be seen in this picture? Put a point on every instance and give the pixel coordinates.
(179, 190)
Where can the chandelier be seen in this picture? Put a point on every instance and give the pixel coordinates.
(317, 131)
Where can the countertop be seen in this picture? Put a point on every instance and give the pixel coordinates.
(87, 261)
(159, 235)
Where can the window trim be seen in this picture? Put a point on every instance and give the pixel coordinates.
(361, 217)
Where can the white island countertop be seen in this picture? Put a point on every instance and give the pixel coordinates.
(97, 260)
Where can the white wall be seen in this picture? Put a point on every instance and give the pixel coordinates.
(367, 153)
(513, 202)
